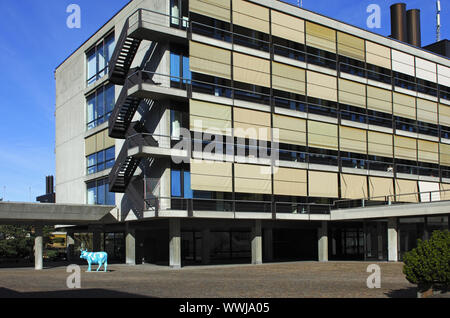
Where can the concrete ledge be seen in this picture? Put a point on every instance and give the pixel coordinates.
(292, 216)
(395, 210)
(213, 215)
(18, 212)
(253, 215)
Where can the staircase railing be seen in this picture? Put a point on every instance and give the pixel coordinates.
(126, 165)
(117, 51)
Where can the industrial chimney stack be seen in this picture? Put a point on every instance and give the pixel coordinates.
(413, 27)
(398, 22)
(405, 25)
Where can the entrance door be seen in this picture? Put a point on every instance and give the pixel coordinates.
(191, 247)
(376, 241)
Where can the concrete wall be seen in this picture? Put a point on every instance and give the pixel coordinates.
(71, 92)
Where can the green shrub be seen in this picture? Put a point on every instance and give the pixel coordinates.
(428, 265)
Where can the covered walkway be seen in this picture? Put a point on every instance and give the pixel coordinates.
(40, 214)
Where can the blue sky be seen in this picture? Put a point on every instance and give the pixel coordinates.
(34, 40)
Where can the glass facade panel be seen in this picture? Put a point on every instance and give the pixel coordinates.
(98, 59)
(98, 193)
(176, 183)
(99, 106)
(91, 193)
(101, 160)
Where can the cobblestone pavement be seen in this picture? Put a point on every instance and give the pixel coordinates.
(280, 280)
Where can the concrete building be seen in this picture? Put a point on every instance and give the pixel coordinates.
(316, 117)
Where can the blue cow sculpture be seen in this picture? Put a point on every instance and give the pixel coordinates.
(100, 258)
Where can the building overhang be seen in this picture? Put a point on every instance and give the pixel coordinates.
(50, 214)
(387, 211)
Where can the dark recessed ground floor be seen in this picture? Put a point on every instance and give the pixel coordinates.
(192, 241)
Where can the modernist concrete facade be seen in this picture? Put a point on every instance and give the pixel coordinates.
(350, 118)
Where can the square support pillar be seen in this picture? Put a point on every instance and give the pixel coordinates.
(256, 243)
(268, 244)
(70, 242)
(206, 248)
(130, 245)
(38, 247)
(392, 240)
(96, 238)
(175, 243)
(323, 242)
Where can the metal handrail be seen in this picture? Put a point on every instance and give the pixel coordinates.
(391, 199)
(171, 17)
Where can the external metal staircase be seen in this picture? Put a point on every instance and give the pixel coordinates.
(123, 56)
(127, 105)
(141, 25)
(125, 165)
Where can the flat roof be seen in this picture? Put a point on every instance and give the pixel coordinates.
(312, 16)
(50, 213)
(321, 19)
(93, 34)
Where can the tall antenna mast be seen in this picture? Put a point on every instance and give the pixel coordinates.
(300, 3)
(438, 20)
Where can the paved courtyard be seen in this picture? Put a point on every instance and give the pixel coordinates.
(297, 280)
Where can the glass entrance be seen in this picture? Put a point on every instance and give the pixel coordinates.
(376, 241)
(191, 247)
(346, 241)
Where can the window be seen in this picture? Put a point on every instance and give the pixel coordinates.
(179, 13)
(181, 183)
(379, 74)
(101, 160)
(100, 105)
(405, 124)
(211, 85)
(98, 193)
(179, 68)
(251, 38)
(322, 107)
(323, 156)
(210, 27)
(427, 87)
(427, 129)
(289, 100)
(444, 92)
(251, 93)
(405, 81)
(379, 118)
(98, 59)
(380, 163)
(352, 113)
(289, 49)
(352, 66)
(321, 57)
(353, 160)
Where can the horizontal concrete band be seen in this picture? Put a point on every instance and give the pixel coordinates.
(399, 210)
(387, 211)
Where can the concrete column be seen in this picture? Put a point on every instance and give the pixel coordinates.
(256, 243)
(206, 246)
(323, 242)
(174, 243)
(38, 247)
(392, 240)
(97, 240)
(130, 245)
(70, 242)
(268, 244)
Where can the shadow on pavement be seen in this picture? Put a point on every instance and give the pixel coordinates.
(70, 293)
(410, 292)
